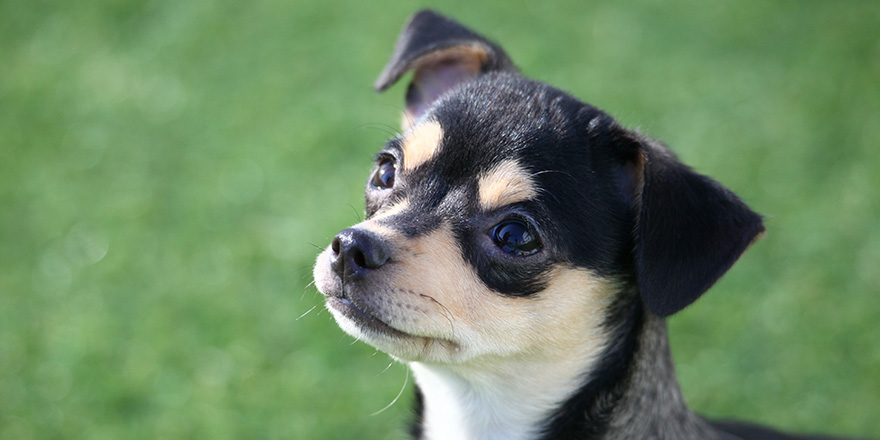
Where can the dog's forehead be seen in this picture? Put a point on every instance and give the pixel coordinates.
(497, 136)
(502, 117)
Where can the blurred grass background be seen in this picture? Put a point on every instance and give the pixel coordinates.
(169, 169)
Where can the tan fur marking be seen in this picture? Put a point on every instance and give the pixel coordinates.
(471, 56)
(421, 144)
(431, 276)
(394, 209)
(504, 184)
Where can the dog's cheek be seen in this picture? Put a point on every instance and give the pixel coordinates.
(482, 321)
(566, 317)
(572, 311)
(433, 267)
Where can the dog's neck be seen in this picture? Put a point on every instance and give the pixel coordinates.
(500, 399)
(649, 403)
(636, 396)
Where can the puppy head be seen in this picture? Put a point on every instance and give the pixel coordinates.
(509, 216)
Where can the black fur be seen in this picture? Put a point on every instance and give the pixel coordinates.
(740, 430)
(415, 428)
(586, 414)
(691, 231)
(428, 32)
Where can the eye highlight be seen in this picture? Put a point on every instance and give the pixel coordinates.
(383, 178)
(515, 238)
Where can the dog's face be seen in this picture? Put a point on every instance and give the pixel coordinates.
(496, 225)
(509, 216)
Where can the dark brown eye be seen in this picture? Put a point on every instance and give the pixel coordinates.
(515, 238)
(384, 175)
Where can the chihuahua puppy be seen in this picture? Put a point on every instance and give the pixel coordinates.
(521, 250)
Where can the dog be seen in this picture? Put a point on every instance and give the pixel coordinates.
(521, 250)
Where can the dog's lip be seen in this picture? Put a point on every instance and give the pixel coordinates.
(362, 317)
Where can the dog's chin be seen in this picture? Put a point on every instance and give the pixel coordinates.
(398, 344)
(344, 310)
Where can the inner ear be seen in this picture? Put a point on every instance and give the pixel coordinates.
(626, 154)
(442, 54)
(630, 176)
(439, 72)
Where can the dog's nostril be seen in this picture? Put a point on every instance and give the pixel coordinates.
(356, 252)
(359, 258)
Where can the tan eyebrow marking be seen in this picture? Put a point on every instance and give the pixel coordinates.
(421, 144)
(506, 183)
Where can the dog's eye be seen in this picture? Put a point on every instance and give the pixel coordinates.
(384, 175)
(514, 237)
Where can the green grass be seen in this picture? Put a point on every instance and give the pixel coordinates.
(168, 170)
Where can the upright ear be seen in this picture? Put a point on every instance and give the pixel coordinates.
(443, 54)
(690, 229)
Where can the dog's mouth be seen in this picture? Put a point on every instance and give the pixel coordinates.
(362, 317)
(365, 315)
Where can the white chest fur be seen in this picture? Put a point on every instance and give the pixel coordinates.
(504, 401)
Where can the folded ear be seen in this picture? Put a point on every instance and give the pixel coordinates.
(690, 229)
(443, 54)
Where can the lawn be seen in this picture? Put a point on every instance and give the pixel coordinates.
(170, 169)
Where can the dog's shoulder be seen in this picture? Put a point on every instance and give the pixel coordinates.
(736, 430)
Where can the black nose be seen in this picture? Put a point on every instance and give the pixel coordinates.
(356, 252)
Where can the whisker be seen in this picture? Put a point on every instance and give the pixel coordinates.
(357, 214)
(537, 173)
(309, 266)
(405, 382)
(386, 369)
(307, 312)
(378, 126)
(446, 313)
